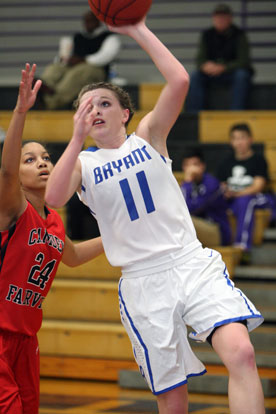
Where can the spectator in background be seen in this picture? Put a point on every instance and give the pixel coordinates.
(83, 59)
(223, 58)
(205, 201)
(245, 180)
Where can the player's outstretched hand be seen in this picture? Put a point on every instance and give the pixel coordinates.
(27, 92)
(128, 29)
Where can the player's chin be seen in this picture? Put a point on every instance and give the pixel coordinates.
(43, 178)
(42, 182)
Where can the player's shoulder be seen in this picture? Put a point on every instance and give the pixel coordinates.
(89, 153)
(89, 150)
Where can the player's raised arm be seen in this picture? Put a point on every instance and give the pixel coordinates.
(12, 199)
(65, 178)
(156, 125)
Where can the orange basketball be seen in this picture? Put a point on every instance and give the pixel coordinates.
(119, 12)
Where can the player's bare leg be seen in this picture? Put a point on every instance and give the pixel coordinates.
(232, 344)
(174, 401)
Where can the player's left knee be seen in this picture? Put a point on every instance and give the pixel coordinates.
(244, 355)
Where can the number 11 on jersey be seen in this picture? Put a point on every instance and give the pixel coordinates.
(129, 200)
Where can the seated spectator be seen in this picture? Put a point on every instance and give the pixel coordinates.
(222, 58)
(245, 180)
(83, 59)
(205, 200)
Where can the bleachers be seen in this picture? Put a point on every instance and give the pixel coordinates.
(32, 34)
(214, 127)
(81, 336)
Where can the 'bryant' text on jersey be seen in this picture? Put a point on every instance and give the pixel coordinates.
(135, 157)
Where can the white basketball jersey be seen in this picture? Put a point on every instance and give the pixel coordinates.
(140, 209)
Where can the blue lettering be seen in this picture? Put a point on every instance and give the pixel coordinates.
(128, 160)
(98, 175)
(138, 151)
(146, 153)
(118, 165)
(107, 169)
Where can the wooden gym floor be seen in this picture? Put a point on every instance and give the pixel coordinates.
(89, 397)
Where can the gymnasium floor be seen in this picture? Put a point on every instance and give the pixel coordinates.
(88, 397)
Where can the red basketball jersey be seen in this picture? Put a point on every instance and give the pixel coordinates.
(30, 254)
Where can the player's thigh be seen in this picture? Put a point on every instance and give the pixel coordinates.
(232, 343)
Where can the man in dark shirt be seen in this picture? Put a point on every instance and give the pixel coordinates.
(222, 58)
(245, 179)
(83, 58)
(205, 200)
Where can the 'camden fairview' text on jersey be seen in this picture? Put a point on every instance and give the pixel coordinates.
(30, 253)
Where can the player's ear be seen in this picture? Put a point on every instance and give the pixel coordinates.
(125, 115)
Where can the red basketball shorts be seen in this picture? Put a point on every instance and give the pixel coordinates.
(19, 374)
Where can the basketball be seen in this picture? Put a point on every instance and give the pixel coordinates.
(119, 12)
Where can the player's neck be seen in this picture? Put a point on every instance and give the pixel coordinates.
(112, 142)
(37, 201)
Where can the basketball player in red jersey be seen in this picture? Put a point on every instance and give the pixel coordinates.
(32, 243)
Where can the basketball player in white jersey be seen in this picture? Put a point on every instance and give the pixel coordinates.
(168, 280)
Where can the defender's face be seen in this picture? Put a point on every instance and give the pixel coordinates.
(35, 166)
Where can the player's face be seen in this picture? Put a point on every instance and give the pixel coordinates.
(241, 142)
(108, 117)
(35, 166)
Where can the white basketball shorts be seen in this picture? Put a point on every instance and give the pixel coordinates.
(156, 308)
